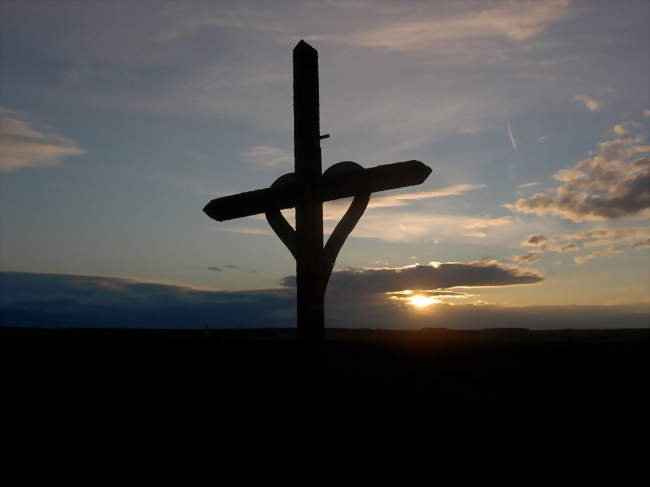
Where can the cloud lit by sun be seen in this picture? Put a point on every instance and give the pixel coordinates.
(424, 298)
(420, 301)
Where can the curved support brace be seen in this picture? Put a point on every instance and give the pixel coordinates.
(349, 220)
(278, 223)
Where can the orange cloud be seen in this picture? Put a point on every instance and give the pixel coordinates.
(24, 146)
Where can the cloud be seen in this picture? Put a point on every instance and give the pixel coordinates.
(566, 175)
(419, 227)
(221, 268)
(581, 259)
(623, 129)
(529, 258)
(427, 296)
(383, 24)
(527, 185)
(411, 226)
(542, 244)
(394, 226)
(642, 163)
(590, 104)
(252, 19)
(268, 157)
(525, 188)
(512, 138)
(513, 21)
(593, 238)
(393, 200)
(535, 240)
(247, 230)
(488, 222)
(168, 67)
(606, 186)
(21, 145)
(643, 244)
(397, 226)
(434, 276)
(423, 292)
(569, 247)
(93, 301)
(599, 237)
(50, 300)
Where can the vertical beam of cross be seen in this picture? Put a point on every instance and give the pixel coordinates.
(309, 208)
(306, 189)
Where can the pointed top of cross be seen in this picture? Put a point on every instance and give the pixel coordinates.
(303, 45)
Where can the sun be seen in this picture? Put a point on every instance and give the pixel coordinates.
(420, 301)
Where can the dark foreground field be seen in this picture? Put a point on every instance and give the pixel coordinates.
(561, 370)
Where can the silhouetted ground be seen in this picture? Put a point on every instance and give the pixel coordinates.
(559, 371)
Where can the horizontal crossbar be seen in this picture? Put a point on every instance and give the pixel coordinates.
(332, 187)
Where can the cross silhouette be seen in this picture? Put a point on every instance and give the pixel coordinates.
(306, 189)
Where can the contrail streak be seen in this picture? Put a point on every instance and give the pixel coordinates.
(512, 138)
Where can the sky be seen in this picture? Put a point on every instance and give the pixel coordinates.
(120, 120)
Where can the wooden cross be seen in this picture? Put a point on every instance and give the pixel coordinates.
(306, 189)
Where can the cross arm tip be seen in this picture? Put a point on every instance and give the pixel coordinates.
(211, 209)
(424, 168)
(418, 167)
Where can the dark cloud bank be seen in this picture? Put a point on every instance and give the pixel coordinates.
(441, 276)
(356, 299)
(67, 300)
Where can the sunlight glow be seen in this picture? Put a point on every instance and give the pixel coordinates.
(420, 301)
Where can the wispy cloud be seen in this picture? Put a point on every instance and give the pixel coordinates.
(642, 244)
(398, 226)
(394, 226)
(514, 21)
(22, 145)
(171, 68)
(581, 259)
(268, 157)
(249, 19)
(512, 138)
(420, 227)
(393, 200)
(529, 258)
(598, 237)
(248, 230)
(589, 103)
(606, 236)
(221, 268)
(527, 185)
(488, 222)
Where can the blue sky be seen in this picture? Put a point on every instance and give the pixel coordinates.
(121, 120)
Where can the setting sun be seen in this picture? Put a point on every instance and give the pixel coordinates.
(420, 301)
